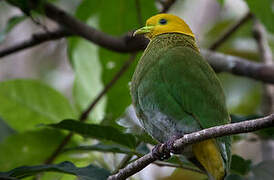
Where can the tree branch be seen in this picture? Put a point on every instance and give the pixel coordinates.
(266, 57)
(239, 66)
(214, 132)
(127, 43)
(34, 40)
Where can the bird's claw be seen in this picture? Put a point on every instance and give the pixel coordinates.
(170, 142)
(161, 152)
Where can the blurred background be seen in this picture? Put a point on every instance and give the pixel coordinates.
(79, 70)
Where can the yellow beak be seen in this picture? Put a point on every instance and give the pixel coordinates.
(143, 30)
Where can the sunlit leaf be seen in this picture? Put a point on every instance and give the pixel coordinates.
(87, 66)
(27, 103)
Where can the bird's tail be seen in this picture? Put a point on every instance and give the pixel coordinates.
(209, 156)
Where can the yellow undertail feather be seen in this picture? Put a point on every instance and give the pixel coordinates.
(207, 153)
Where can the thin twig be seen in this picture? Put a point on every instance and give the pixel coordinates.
(230, 31)
(161, 164)
(214, 132)
(85, 113)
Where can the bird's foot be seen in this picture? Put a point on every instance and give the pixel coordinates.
(170, 142)
(162, 151)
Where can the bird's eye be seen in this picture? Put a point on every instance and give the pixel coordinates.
(163, 21)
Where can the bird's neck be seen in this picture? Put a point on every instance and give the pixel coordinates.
(168, 40)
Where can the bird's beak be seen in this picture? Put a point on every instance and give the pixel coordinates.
(143, 30)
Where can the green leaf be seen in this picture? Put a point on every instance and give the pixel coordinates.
(26, 103)
(31, 147)
(263, 171)
(263, 9)
(240, 165)
(87, 83)
(90, 172)
(12, 22)
(97, 131)
(113, 148)
(88, 71)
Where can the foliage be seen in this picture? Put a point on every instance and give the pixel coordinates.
(35, 117)
(90, 172)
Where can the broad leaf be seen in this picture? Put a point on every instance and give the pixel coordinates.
(27, 103)
(88, 71)
(240, 165)
(90, 172)
(87, 83)
(113, 148)
(97, 131)
(28, 148)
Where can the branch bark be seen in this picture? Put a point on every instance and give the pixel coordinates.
(266, 57)
(34, 40)
(214, 132)
(260, 35)
(239, 66)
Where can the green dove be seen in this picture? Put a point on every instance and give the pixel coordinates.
(175, 92)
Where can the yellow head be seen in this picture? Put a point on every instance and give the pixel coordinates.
(164, 23)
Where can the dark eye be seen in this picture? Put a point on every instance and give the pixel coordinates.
(163, 21)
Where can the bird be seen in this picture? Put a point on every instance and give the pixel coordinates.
(175, 92)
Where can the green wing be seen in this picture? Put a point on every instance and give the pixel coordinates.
(193, 84)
